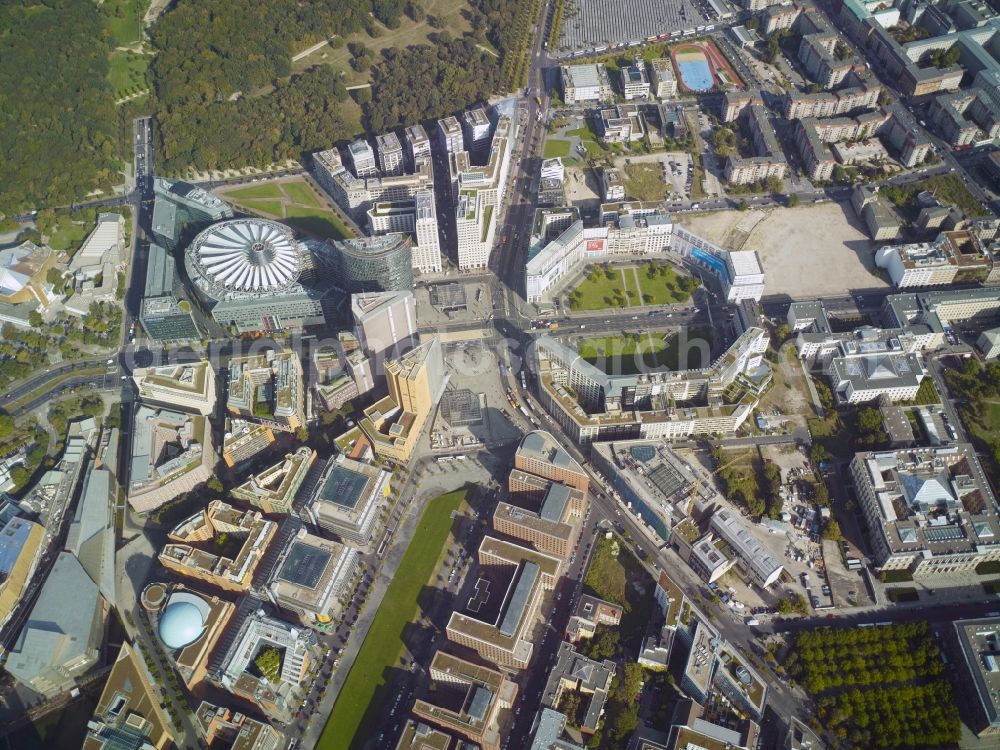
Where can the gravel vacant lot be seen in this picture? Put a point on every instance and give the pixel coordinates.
(807, 252)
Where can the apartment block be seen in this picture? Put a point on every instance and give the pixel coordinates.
(585, 83)
(219, 545)
(347, 499)
(390, 154)
(274, 489)
(475, 128)
(929, 510)
(418, 145)
(467, 700)
(768, 161)
(591, 612)
(235, 729)
(663, 82)
(588, 679)
(540, 454)
(362, 158)
(394, 424)
(188, 387)
(357, 193)
(479, 192)
(450, 133)
(497, 621)
(635, 82)
(267, 389)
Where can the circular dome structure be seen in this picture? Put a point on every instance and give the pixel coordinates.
(251, 256)
(180, 625)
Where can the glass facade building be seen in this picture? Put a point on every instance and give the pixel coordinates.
(374, 264)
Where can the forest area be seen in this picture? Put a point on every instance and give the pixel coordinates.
(222, 86)
(58, 142)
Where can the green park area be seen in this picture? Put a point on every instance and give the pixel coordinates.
(947, 188)
(644, 182)
(631, 286)
(127, 74)
(556, 148)
(292, 202)
(632, 353)
(589, 139)
(366, 684)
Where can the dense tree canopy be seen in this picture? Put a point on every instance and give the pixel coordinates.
(57, 142)
(424, 82)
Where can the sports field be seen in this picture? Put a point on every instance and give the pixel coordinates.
(366, 683)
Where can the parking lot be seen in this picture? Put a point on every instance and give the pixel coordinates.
(592, 24)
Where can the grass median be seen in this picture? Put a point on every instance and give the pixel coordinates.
(383, 644)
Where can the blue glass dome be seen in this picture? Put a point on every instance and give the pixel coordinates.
(180, 625)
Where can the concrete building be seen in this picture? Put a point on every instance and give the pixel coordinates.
(235, 729)
(20, 545)
(549, 527)
(347, 499)
(778, 17)
(963, 117)
(416, 380)
(929, 510)
(390, 154)
(248, 275)
(539, 454)
(622, 123)
(383, 263)
(754, 558)
(612, 185)
(244, 441)
(605, 407)
(186, 387)
(59, 644)
(189, 625)
(591, 612)
(663, 82)
(588, 679)
(478, 192)
(953, 257)
(419, 736)
(585, 83)
(450, 134)
(635, 82)
(274, 489)
(165, 314)
(267, 389)
(219, 545)
(861, 94)
(181, 210)
(93, 269)
(418, 145)
(385, 324)
(128, 713)
(23, 271)
(881, 220)
(171, 454)
(312, 577)
(356, 194)
(497, 621)
(467, 700)
(475, 129)
(768, 160)
(237, 668)
(92, 535)
(941, 309)
(977, 639)
(362, 158)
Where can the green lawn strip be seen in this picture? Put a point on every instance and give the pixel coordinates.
(556, 148)
(52, 384)
(383, 644)
(271, 208)
(316, 221)
(124, 21)
(127, 72)
(269, 190)
(302, 193)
